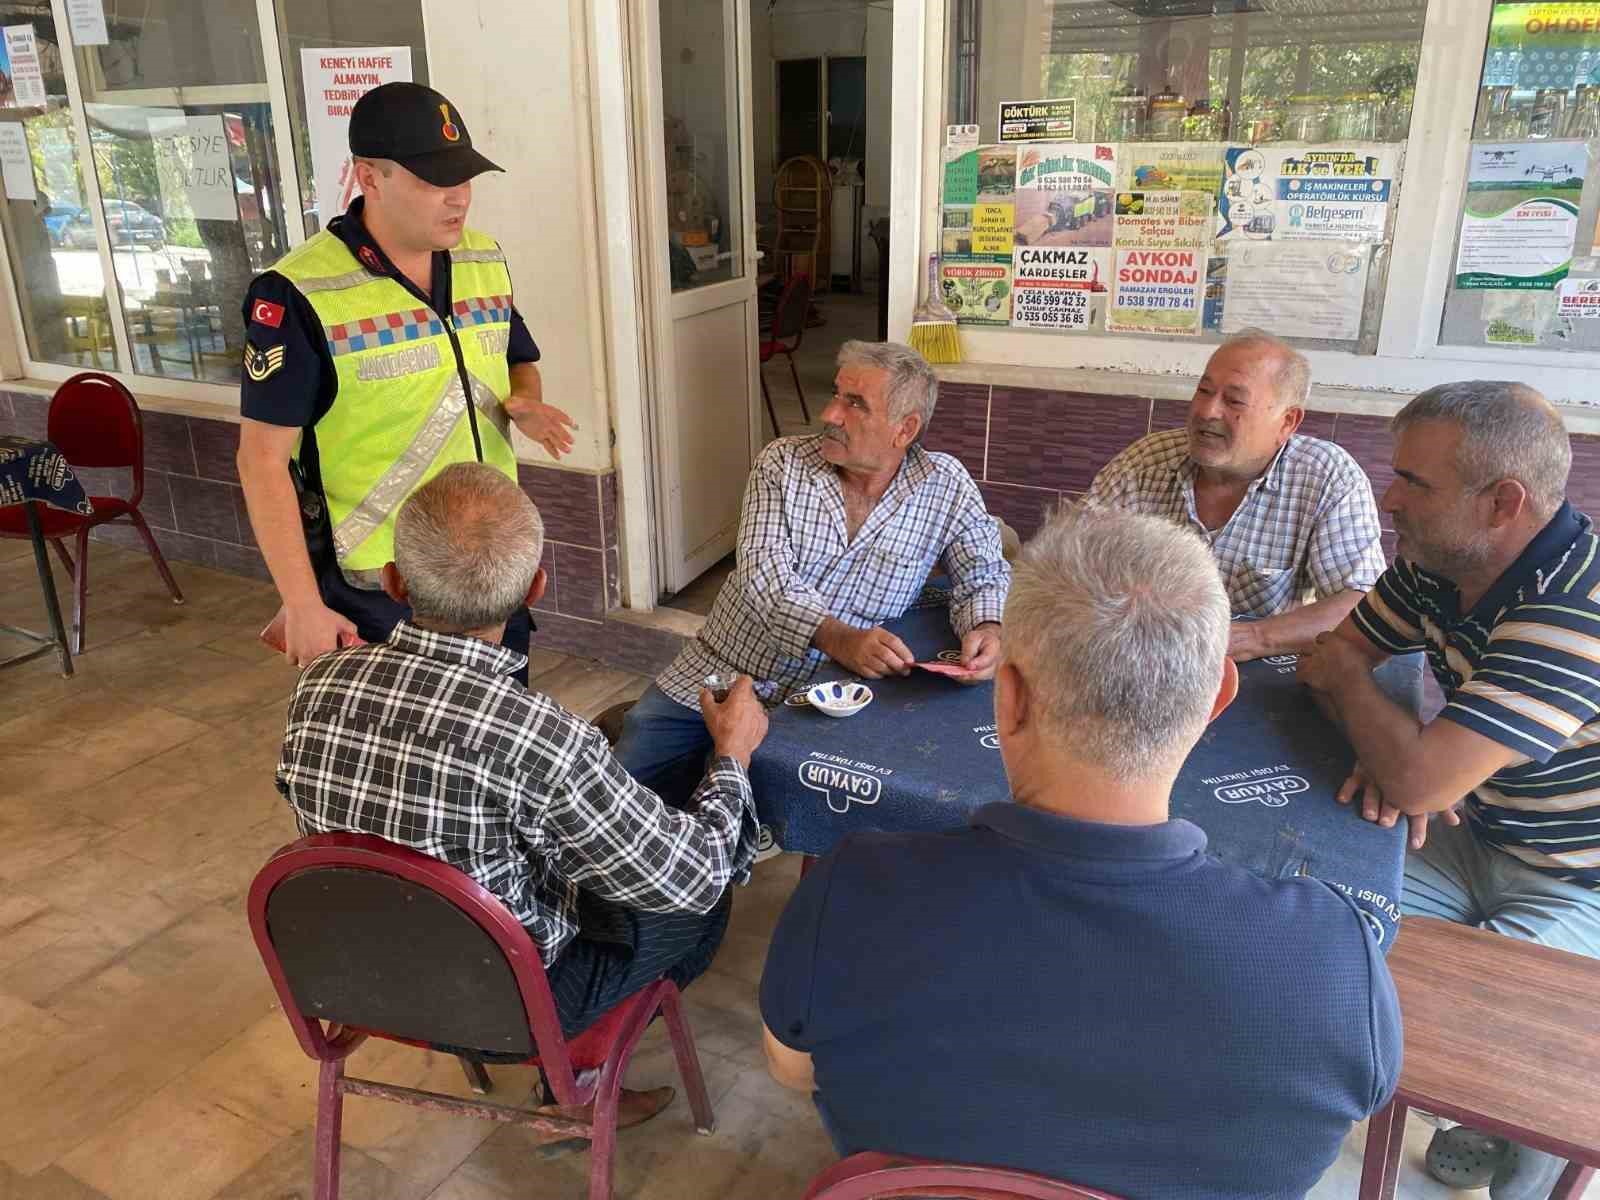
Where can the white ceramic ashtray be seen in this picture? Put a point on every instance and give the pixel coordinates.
(839, 699)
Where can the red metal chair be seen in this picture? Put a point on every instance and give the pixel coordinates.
(788, 321)
(873, 1176)
(94, 422)
(377, 940)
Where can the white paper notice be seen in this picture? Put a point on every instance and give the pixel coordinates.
(27, 76)
(88, 21)
(334, 80)
(15, 165)
(1296, 289)
(961, 137)
(1578, 298)
(193, 168)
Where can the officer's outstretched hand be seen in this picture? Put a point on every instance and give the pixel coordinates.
(311, 631)
(544, 423)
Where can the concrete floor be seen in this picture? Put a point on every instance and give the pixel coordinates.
(143, 1055)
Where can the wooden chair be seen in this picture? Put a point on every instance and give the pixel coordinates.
(363, 938)
(873, 1176)
(94, 422)
(1502, 1035)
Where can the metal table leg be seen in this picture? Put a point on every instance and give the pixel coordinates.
(41, 562)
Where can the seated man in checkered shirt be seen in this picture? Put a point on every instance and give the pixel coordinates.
(838, 535)
(1291, 519)
(428, 741)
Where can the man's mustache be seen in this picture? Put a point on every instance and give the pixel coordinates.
(835, 433)
(1209, 427)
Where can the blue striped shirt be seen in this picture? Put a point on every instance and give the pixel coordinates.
(1523, 670)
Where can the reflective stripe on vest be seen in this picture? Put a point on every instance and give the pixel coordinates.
(399, 417)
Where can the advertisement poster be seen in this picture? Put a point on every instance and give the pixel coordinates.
(1578, 299)
(956, 231)
(1216, 288)
(977, 289)
(192, 167)
(1058, 287)
(993, 226)
(1157, 291)
(1170, 166)
(1297, 289)
(334, 80)
(960, 175)
(1064, 195)
(1517, 318)
(1521, 215)
(23, 71)
(1543, 45)
(1337, 193)
(961, 137)
(87, 19)
(1038, 120)
(997, 174)
(1161, 220)
(16, 168)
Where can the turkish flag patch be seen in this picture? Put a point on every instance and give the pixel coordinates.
(264, 312)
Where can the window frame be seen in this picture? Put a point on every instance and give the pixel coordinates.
(283, 148)
(1409, 354)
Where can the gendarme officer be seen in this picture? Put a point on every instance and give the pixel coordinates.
(379, 352)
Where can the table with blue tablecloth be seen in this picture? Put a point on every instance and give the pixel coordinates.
(32, 473)
(924, 756)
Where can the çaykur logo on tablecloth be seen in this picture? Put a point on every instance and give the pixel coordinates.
(1281, 660)
(987, 737)
(843, 781)
(1366, 901)
(1272, 786)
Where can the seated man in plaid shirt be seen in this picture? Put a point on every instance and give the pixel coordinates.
(426, 740)
(838, 535)
(1291, 519)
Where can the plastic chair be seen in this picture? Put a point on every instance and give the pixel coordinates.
(788, 321)
(874, 1176)
(377, 940)
(94, 422)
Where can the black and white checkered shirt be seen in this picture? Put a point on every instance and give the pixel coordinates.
(798, 564)
(1307, 527)
(427, 742)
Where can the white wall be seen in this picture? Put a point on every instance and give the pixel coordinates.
(509, 68)
(813, 29)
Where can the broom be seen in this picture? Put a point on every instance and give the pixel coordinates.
(933, 326)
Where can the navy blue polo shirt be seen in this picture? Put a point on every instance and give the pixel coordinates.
(1106, 1004)
(304, 387)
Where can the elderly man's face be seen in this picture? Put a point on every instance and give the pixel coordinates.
(1235, 423)
(1440, 519)
(856, 430)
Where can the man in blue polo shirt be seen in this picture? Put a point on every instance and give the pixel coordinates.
(1071, 985)
(1498, 579)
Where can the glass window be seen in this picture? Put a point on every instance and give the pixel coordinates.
(702, 150)
(181, 129)
(1167, 168)
(50, 233)
(1525, 271)
(339, 25)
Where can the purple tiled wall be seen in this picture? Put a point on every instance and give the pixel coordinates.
(195, 507)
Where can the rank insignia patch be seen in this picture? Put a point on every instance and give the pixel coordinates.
(261, 365)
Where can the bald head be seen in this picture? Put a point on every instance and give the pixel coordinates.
(1508, 431)
(1287, 371)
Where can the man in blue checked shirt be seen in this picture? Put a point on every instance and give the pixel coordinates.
(838, 534)
(1498, 579)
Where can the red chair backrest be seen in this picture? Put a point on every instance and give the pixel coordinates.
(873, 1176)
(363, 933)
(94, 422)
(789, 319)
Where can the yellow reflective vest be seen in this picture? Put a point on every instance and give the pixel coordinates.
(401, 414)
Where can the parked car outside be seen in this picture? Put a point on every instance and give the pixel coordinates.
(129, 224)
(56, 218)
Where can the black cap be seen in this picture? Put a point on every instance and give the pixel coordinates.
(419, 129)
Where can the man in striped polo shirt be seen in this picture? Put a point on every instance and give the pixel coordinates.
(1498, 579)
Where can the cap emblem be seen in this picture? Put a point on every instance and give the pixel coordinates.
(451, 133)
